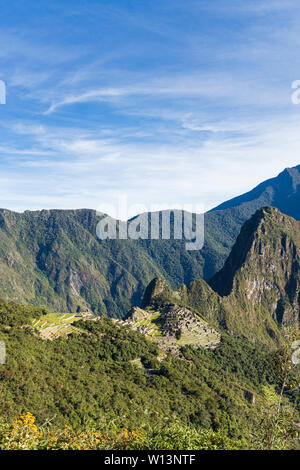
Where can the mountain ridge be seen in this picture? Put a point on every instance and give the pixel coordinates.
(54, 258)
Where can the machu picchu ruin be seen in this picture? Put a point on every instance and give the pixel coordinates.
(172, 327)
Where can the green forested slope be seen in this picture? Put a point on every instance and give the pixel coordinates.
(92, 376)
(105, 371)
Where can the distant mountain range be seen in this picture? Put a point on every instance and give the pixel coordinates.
(281, 192)
(54, 258)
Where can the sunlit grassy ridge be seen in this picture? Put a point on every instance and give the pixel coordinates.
(54, 325)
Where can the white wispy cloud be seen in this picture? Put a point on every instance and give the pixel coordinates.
(94, 95)
(164, 114)
(101, 169)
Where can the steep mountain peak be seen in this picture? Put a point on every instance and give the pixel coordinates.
(157, 289)
(287, 181)
(263, 270)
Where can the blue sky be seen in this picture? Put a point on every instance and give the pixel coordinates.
(165, 101)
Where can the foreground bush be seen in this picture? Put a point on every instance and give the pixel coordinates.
(24, 434)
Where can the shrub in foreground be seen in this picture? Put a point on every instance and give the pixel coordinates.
(24, 434)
